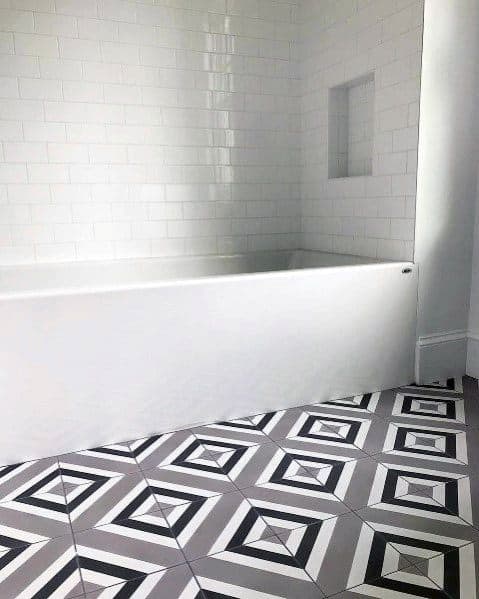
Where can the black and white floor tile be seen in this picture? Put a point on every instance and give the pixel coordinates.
(375, 495)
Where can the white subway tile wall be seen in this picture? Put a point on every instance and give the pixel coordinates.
(341, 41)
(148, 128)
(173, 127)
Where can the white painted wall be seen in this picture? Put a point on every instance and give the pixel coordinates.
(341, 41)
(472, 367)
(138, 128)
(447, 174)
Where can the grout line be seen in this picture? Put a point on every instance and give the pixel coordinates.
(77, 557)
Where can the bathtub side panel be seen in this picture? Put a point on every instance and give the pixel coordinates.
(85, 370)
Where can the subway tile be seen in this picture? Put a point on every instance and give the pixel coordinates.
(25, 152)
(112, 231)
(118, 10)
(80, 49)
(91, 212)
(117, 52)
(47, 6)
(53, 213)
(149, 230)
(108, 154)
(14, 214)
(70, 193)
(33, 233)
(86, 132)
(85, 8)
(68, 153)
(8, 87)
(13, 255)
(55, 252)
(6, 43)
(24, 193)
(96, 29)
(133, 248)
(61, 69)
(19, 66)
(16, 20)
(48, 173)
(72, 232)
(95, 250)
(40, 89)
(13, 173)
(22, 110)
(30, 44)
(82, 91)
(103, 73)
(53, 24)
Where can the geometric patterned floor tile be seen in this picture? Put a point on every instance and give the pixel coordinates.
(427, 439)
(451, 386)
(423, 492)
(216, 524)
(259, 464)
(405, 532)
(323, 445)
(337, 427)
(233, 430)
(471, 394)
(284, 508)
(340, 428)
(18, 479)
(108, 500)
(218, 446)
(408, 582)
(341, 553)
(43, 516)
(45, 569)
(308, 423)
(371, 482)
(187, 482)
(447, 410)
(116, 459)
(420, 407)
(180, 447)
(277, 425)
(459, 495)
(375, 495)
(358, 403)
(437, 444)
(332, 473)
(168, 448)
(259, 570)
(126, 550)
(455, 572)
(174, 583)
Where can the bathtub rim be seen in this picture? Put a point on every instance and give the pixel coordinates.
(189, 280)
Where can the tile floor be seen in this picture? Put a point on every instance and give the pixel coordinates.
(371, 496)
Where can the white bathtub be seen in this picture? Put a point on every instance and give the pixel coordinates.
(96, 353)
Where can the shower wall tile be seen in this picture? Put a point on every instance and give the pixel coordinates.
(341, 41)
(131, 128)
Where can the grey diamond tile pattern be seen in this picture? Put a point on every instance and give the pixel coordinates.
(374, 495)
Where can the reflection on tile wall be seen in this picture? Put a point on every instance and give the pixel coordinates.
(133, 128)
(341, 41)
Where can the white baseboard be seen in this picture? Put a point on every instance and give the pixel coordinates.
(472, 367)
(441, 356)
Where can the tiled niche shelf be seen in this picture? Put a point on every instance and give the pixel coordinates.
(351, 128)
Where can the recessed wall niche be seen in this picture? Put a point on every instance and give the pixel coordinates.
(351, 128)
